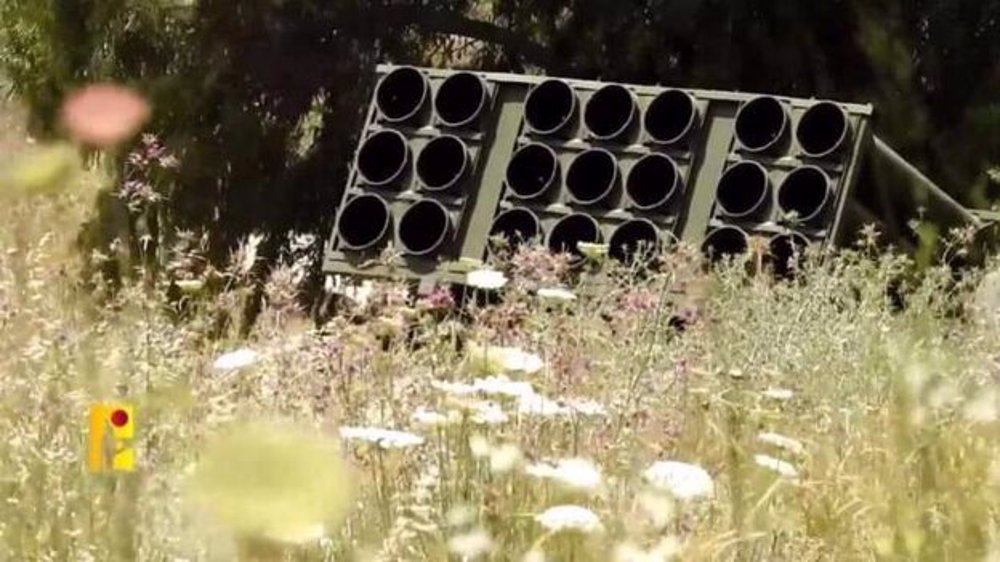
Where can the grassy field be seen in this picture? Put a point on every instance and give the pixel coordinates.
(789, 421)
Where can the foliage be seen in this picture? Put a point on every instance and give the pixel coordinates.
(261, 100)
(833, 425)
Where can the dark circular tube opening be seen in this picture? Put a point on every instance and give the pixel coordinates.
(822, 129)
(423, 227)
(442, 163)
(363, 222)
(549, 106)
(383, 157)
(652, 181)
(517, 226)
(592, 176)
(670, 117)
(401, 94)
(634, 241)
(761, 123)
(742, 189)
(785, 253)
(725, 241)
(804, 192)
(460, 99)
(609, 111)
(569, 231)
(532, 170)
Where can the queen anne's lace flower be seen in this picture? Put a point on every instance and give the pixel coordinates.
(782, 442)
(235, 360)
(573, 473)
(681, 480)
(569, 518)
(777, 465)
(384, 438)
(487, 279)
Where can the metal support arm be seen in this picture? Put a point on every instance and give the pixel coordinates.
(890, 155)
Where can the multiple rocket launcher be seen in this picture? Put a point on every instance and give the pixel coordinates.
(449, 160)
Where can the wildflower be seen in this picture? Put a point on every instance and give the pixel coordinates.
(486, 413)
(587, 408)
(682, 480)
(235, 360)
(272, 481)
(658, 506)
(495, 360)
(569, 518)
(782, 442)
(982, 408)
(486, 279)
(592, 250)
(505, 458)
(429, 418)
(503, 386)
(777, 465)
(576, 473)
(384, 438)
(778, 394)
(104, 115)
(557, 294)
(538, 405)
(534, 555)
(479, 446)
(454, 388)
(472, 545)
(439, 298)
(190, 286)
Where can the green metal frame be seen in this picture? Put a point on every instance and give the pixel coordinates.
(693, 214)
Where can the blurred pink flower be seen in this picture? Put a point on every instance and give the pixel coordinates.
(104, 114)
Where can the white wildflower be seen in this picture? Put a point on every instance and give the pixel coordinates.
(429, 418)
(235, 360)
(592, 250)
(982, 408)
(778, 394)
(454, 388)
(488, 413)
(557, 294)
(479, 446)
(682, 480)
(777, 465)
(538, 405)
(384, 438)
(190, 286)
(505, 458)
(461, 515)
(487, 279)
(534, 555)
(569, 518)
(472, 545)
(515, 360)
(504, 386)
(580, 474)
(587, 408)
(659, 506)
(782, 442)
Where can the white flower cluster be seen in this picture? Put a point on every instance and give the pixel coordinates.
(384, 438)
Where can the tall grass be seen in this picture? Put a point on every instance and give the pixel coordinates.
(833, 426)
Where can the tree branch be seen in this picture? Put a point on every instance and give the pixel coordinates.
(452, 23)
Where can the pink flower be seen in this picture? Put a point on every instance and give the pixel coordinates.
(104, 115)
